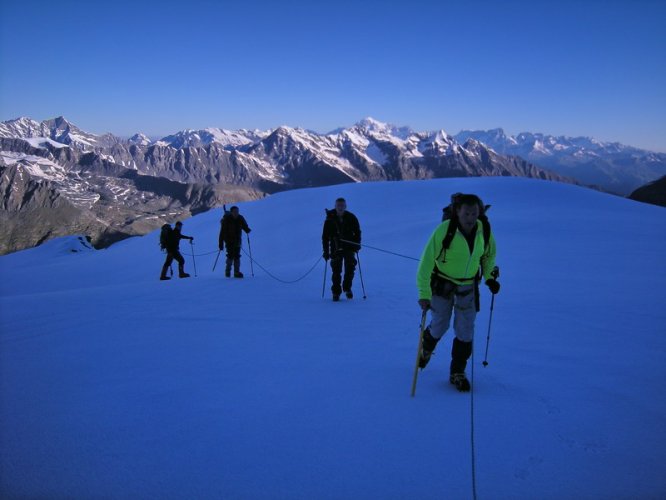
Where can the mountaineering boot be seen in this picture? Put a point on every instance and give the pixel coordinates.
(181, 272)
(460, 381)
(349, 294)
(164, 278)
(238, 274)
(427, 347)
(336, 297)
(460, 353)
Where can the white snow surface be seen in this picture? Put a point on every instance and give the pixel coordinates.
(114, 384)
(38, 142)
(375, 153)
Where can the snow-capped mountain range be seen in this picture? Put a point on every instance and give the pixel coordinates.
(614, 167)
(125, 186)
(58, 130)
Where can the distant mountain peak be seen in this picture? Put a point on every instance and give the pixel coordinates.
(22, 120)
(370, 122)
(370, 125)
(373, 125)
(140, 139)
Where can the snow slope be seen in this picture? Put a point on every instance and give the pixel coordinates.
(116, 385)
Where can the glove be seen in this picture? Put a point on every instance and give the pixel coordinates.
(326, 256)
(493, 285)
(191, 238)
(425, 304)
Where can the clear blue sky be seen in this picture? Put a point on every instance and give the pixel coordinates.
(594, 68)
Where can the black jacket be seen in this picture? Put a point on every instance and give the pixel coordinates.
(173, 240)
(337, 229)
(230, 230)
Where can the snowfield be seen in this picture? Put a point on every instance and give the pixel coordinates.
(116, 385)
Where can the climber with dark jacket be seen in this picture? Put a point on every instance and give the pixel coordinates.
(172, 248)
(341, 239)
(231, 225)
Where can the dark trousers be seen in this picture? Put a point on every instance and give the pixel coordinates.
(233, 257)
(348, 258)
(171, 256)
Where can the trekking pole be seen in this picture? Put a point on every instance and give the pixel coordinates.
(494, 274)
(418, 351)
(194, 262)
(490, 321)
(323, 287)
(360, 273)
(249, 247)
(218, 256)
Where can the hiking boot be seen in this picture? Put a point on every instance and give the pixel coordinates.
(183, 275)
(425, 358)
(164, 278)
(427, 347)
(227, 274)
(460, 381)
(238, 274)
(349, 294)
(336, 297)
(460, 353)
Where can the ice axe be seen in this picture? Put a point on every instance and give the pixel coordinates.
(424, 314)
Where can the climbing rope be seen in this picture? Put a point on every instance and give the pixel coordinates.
(472, 430)
(287, 282)
(381, 250)
(203, 254)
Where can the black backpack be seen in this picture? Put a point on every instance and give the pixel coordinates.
(449, 213)
(165, 235)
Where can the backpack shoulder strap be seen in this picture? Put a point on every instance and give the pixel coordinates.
(450, 233)
(448, 237)
(486, 233)
(486, 228)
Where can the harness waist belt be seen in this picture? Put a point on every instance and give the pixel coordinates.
(439, 274)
